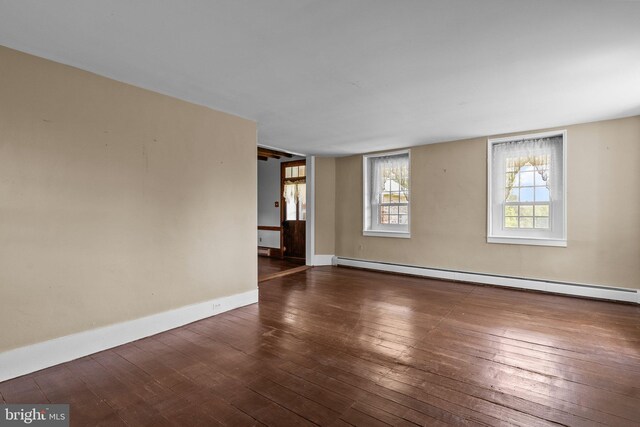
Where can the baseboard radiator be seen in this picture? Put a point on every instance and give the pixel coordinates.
(566, 288)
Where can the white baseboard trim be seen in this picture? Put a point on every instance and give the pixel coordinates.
(31, 358)
(575, 289)
(323, 259)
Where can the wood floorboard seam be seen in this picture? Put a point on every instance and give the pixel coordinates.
(262, 394)
(101, 399)
(489, 400)
(493, 402)
(246, 385)
(436, 327)
(547, 375)
(116, 376)
(342, 347)
(338, 379)
(362, 389)
(455, 379)
(41, 391)
(355, 401)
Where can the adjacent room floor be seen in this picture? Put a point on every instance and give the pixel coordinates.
(335, 346)
(270, 268)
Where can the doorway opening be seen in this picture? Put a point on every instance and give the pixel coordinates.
(282, 214)
(293, 214)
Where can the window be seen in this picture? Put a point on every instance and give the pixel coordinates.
(295, 192)
(386, 194)
(526, 189)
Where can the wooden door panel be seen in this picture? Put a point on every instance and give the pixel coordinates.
(294, 238)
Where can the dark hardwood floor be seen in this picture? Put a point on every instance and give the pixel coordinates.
(335, 346)
(270, 268)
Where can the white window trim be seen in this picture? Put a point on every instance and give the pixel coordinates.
(491, 238)
(389, 233)
(402, 234)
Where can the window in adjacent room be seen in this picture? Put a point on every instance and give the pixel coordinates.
(527, 189)
(386, 194)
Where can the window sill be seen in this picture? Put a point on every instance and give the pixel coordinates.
(385, 233)
(562, 243)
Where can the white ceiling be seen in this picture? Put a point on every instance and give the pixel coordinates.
(339, 77)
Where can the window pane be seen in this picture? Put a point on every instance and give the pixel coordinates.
(526, 194)
(513, 195)
(526, 222)
(526, 178)
(542, 222)
(290, 196)
(542, 210)
(291, 212)
(287, 172)
(510, 211)
(511, 222)
(386, 197)
(404, 209)
(540, 179)
(393, 219)
(527, 167)
(393, 210)
(302, 171)
(542, 194)
(385, 209)
(294, 172)
(403, 219)
(526, 210)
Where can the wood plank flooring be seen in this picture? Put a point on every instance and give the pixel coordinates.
(271, 268)
(340, 347)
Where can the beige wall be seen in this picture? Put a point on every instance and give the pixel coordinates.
(448, 224)
(115, 202)
(325, 205)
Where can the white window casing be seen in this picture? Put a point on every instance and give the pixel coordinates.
(526, 177)
(375, 201)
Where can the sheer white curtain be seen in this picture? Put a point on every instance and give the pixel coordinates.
(291, 192)
(295, 195)
(391, 171)
(382, 168)
(545, 155)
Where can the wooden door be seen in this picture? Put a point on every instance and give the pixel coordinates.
(293, 213)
